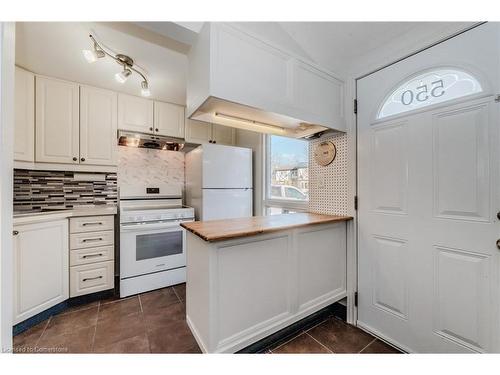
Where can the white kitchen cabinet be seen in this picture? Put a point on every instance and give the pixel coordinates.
(91, 245)
(24, 116)
(41, 267)
(223, 135)
(135, 113)
(98, 126)
(198, 131)
(57, 121)
(203, 132)
(169, 119)
(262, 82)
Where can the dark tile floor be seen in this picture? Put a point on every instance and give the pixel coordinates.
(155, 322)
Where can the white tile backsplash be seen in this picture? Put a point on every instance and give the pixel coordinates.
(141, 166)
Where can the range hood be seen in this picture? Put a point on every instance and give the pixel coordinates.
(152, 141)
(236, 79)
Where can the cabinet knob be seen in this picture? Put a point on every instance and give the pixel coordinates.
(210, 141)
(498, 215)
(214, 141)
(75, 158)
(156, 129)
(82, 159)
(15, 232)
(151, 129)
(498, 244)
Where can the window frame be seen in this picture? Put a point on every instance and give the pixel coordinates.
(301, 206)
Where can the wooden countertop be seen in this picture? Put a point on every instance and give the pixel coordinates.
(218, 230)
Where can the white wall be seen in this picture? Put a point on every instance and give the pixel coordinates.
(7, 40)
(255, 141)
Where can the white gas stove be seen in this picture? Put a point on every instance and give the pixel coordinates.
(152, 242)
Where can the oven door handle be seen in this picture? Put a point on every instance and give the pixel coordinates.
(147, 227)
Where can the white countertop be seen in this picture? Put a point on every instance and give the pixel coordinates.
(37, 217)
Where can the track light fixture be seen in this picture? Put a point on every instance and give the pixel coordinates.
(123, 75)
(145, 89)
(125, 61)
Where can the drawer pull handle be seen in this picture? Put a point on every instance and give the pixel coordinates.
(92, 239)
(92, 255)
(96, 223)
(92, 278)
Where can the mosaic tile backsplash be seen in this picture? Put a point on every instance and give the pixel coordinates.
(36, 190)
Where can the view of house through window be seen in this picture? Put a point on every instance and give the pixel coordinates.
(288, 174)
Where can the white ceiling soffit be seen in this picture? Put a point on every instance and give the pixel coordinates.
(55, 49)
(356, 48)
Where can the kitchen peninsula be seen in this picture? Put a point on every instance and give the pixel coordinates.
(250, 277)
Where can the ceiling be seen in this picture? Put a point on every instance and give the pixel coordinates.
(160, 48)
(55, 49)
(355, 48)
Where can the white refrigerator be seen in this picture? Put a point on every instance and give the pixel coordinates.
(219, 182)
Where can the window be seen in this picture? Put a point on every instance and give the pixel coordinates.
(429, 88)
(287, 175)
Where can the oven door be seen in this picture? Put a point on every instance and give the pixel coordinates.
(151, 247)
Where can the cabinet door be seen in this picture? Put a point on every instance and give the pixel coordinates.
(169, 119)
(41, 267)
(318, 96)
(257, 75)
(98, 126)
(198, 131)
(24, 116)
(135, 114)
(57, 122)
(223, 135)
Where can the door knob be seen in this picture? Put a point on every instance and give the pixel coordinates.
(498, 244)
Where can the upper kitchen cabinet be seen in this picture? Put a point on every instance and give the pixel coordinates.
(135, 114)
(169, 119)
(198, 132)
(236, 79)
(57, 122)
(24, 116)
(202, 132)
(98, 126)
(223, 135)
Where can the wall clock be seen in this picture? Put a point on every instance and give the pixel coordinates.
(325, 153)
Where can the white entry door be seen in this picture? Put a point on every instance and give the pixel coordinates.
(428, 185)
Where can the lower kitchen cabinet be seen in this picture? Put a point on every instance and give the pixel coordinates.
(90, 278)
(41, 267)
(91, 255)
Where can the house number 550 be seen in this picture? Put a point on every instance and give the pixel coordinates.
(422, 94)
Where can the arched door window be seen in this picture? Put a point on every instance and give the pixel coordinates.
(431, 87)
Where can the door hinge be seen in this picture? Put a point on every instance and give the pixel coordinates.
(355, 106)
(356, 299)
(355, 202)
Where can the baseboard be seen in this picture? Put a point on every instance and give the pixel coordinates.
(283, 335)
(59, 308)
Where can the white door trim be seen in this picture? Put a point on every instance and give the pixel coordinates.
(7, 55)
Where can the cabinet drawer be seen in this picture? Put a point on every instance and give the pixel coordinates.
(91, 255)
(94, 239)
(91, 224)
(91, 278)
